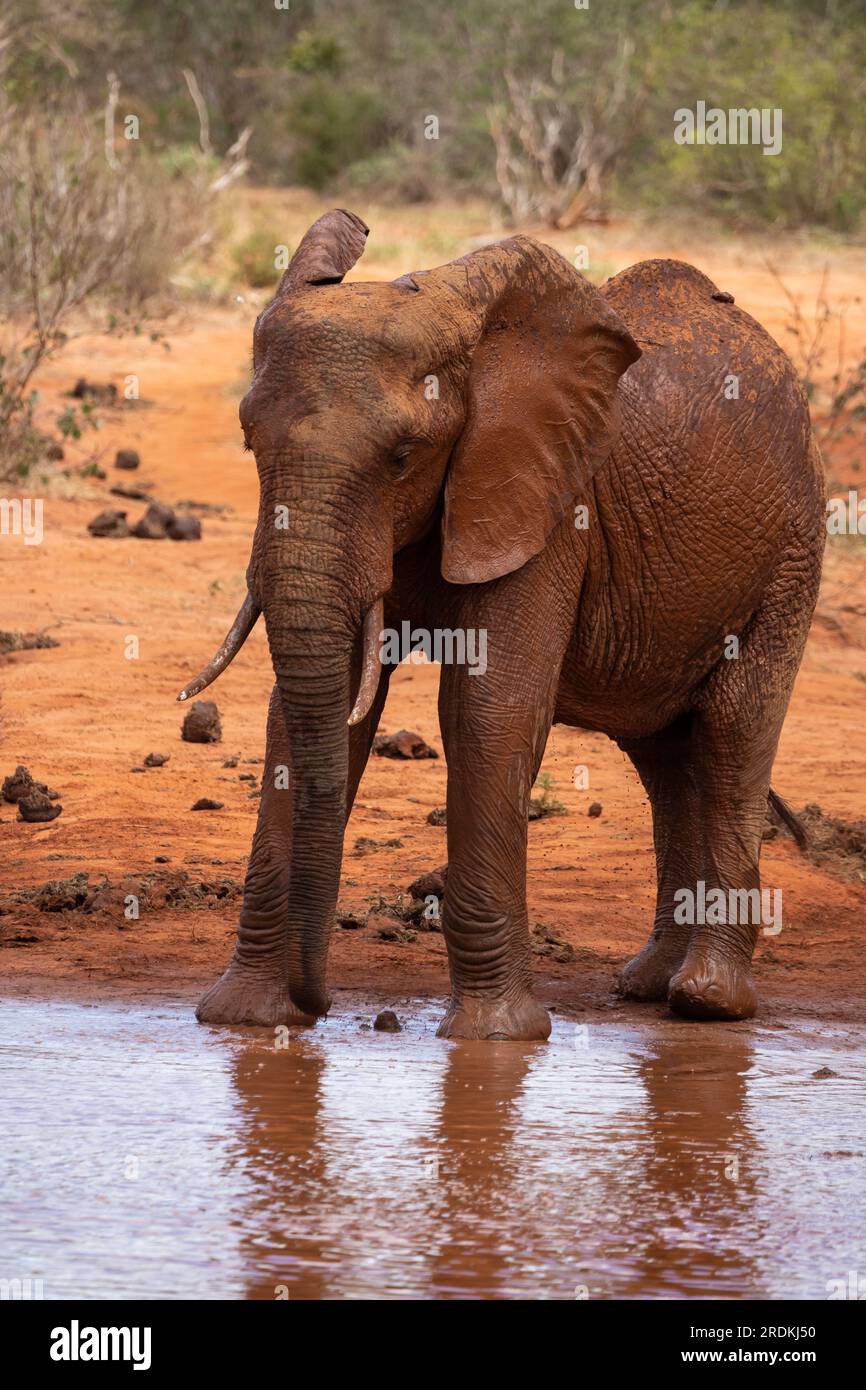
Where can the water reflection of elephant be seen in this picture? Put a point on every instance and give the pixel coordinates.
(477, 1172)
(695, 1175)
(450, 1207)
(486, 1190)
(283, 1160)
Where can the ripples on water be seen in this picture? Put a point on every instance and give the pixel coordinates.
(146, 1157)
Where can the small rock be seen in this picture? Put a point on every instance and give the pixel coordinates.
(105, 392)
(595, 809)
(63, 894)
(415, 913)
(387, 1022)
(109, 523)
(544, 942)
(823, 1073)
(212, 508)
(350, 921)
(246, 776)
(392, 931)
(404, 744)
(156, 759)
(127, 458)
(54, 451)
(155, 524)
(437, 817)
(429, 885)
(20, 783)
(184, 528)
(205, 803)
(38, 807)
(161, 859)
(364, 845)
(25, 642)
(139, 493)
(202, 723)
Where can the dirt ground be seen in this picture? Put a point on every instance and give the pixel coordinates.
(83, 716)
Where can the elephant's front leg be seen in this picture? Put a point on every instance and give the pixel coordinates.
(494, 728)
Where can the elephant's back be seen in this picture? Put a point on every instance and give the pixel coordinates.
(696, 336)
(712, 486)
(710, 376)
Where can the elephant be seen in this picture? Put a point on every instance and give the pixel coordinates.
(620, 487)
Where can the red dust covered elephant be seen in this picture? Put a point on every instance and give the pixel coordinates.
(611, 484)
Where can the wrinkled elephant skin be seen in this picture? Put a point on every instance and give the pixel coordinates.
(619, 488)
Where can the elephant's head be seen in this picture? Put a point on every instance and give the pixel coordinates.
(479, 397)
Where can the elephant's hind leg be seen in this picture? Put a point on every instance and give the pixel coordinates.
(736, 728)
(664, 765)
(714, 980)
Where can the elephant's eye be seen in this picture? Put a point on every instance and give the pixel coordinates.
(402, 458)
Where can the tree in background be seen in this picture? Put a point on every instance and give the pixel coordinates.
(87, 219)
(552, 110)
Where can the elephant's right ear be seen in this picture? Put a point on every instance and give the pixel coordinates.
(328, 250)
(546, 353)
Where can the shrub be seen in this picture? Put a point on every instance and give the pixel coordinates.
(76, 232)
(254, 259)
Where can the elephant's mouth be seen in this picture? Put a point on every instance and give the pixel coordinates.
(247, 617)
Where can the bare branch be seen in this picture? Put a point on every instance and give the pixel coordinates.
(110, 109)
(201, 110)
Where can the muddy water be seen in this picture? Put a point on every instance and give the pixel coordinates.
(145, 1157)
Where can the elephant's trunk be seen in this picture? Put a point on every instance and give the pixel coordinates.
(311, 648)
(317, 569)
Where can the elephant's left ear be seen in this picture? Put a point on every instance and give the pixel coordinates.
(326, 252)
(542, 404)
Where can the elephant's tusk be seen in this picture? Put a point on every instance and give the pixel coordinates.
(371, 666)
(234, 640)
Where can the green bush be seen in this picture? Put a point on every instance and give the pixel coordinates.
(333, 125)
(537, 103)
(397, 174)
(747, 58)
(254, 259)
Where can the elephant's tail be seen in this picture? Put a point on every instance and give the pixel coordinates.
(787, 816)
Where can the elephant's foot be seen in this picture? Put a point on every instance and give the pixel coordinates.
(243, 996)
(648, 975)
(709, 985)
(521, 1019)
